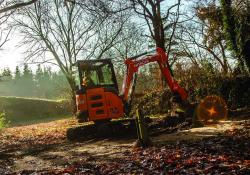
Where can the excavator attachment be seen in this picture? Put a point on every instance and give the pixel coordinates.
(211, 110)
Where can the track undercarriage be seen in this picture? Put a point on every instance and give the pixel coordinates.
(209, 111)
(103, 129)
(127, 127)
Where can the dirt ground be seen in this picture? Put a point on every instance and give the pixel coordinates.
(43, 148)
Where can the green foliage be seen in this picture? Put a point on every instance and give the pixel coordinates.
(3, 121)
(43, 84)
(25, 110)
(229, 24)
(6, 73)
(238, 38)
(243, 36)
(206, 80)
(153, 102)
(199, 82)
(17, 73)
(236, 91)
(26, 84)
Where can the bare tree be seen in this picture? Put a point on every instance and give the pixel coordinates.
(6, 9)
(107, 38)
(197, 48)
(158, 20)
(60, 33)
(4, 30)
(130, 42)
(206, 32)
(6, 6)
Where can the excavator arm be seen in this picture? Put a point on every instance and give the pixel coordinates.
(133, 66)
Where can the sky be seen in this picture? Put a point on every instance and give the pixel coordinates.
(12, 56)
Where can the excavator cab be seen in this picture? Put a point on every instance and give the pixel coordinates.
(96, 73)
(97, 96)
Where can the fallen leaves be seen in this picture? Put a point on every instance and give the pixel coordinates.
(228, 153)
(32, 135)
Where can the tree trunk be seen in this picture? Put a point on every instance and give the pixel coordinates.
(72, 84)
(159, 37)
(73, 101)
(246, 54)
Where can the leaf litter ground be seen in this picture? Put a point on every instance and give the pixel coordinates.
(44, 149)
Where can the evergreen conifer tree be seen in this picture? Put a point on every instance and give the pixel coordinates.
(17, 73)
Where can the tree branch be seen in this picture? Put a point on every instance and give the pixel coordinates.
(17, 5)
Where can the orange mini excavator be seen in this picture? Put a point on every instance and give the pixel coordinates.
(98, 97)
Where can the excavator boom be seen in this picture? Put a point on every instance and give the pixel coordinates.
(133, 66)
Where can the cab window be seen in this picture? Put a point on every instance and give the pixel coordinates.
(107, 75)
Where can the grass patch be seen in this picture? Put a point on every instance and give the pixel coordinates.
(21, 111)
